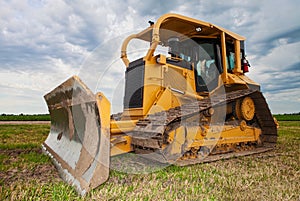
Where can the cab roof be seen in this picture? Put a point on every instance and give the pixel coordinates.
(175, 25)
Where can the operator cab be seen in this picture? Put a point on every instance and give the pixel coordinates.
(204, 56)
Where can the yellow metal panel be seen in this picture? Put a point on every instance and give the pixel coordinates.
(229, 134)
(122, 126)
(179, 139)
(104, 105)
(158, 78)
(247, 80)
(164, 102)
(234, 79)
(237, 48)
(153, 79)
(120, 145)
(224, 62)
(132, 113)
(162, 59)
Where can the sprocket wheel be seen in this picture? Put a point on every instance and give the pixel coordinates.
(247, 109)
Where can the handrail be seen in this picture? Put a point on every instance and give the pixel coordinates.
(124, 49)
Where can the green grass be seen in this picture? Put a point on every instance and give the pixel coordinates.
(25, 117)
(274, 175)
(22, 136)
(287, 117)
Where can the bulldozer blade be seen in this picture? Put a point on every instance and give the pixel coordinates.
(79, 138)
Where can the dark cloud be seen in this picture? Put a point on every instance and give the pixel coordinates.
(280, 85)
(292, 35)
(294, 67)
(284, 37)
(277, 81)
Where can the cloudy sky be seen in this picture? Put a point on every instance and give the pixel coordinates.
(44, 42)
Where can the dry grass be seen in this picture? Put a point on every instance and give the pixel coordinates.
(274, 175)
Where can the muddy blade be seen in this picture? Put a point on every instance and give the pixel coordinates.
(78, 141)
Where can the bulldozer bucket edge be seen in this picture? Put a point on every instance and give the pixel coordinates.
(79, 138)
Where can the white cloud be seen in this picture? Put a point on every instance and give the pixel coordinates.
(44, 42)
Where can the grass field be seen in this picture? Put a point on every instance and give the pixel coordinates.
(287, 117)
(25, 117)
(27, 174)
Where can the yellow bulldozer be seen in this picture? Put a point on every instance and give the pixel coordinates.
(190, 105)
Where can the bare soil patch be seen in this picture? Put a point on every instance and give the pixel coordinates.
(41, 173)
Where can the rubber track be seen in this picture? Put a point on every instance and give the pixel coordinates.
(265, 119)
(149, 132)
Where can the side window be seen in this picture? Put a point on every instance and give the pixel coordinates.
(230, 57)
(206, 59)
(207, 67)
(230, 61)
